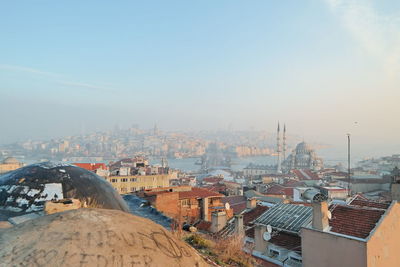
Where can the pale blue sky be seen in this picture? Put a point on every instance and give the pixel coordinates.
(318, 65)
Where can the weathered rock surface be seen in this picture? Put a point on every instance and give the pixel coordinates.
(93, 237)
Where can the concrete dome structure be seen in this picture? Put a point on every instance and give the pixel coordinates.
(26, 190)
(93, 237)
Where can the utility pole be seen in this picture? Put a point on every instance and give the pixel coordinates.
(348, 165)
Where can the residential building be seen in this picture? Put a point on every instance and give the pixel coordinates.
(364, 233)
(100, 169)
(132, 183)
(135, 174)
(359, 233)
(255, 170)
(191, 204)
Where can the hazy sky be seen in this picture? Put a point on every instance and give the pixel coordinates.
(319, 66)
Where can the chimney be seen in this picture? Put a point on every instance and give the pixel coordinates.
(320, 219)
(239, 229)
(218, 221)
(251, 203)
(204, 209)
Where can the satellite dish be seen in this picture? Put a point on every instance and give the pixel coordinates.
(227, 206)
(269, 228)
(329, 215)
(267, 236)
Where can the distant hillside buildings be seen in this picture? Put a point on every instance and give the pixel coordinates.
(132, 174)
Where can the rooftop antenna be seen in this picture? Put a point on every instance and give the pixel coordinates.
(348, 164)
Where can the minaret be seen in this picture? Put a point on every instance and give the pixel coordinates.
(278, 150)
(155, 130)
(284, 142)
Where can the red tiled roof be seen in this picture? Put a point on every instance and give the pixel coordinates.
(311, 174)
(231, 183)
(216, 187)
(354, 221)
(233, 199)
(91, 166)
(237, 203)
(279, 190)
(197, 192)
(293, 183)
(238, 208)
(306, 175)
(253, 214)
(362, 202)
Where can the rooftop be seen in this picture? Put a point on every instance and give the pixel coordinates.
(286, 240)
(278, 189)
(306, 175)
(91, 166)
(287, 217)
(362, 202)
(212, 180)
(237, 203)
(261, 197)
(354, 221)
(197, 192)
(251, 215)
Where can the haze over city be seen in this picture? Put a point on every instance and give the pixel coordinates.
(200, 133)
(325, 68)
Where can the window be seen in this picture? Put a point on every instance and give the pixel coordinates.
(133, 189)
(124, 189)
(113, 180)
(133, 179)
(124, 180)
(185, 202)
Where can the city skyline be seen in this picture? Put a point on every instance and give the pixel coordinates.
(326, 68)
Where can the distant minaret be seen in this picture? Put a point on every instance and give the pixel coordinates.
(155, 130)
(278, 150)
(284, 142)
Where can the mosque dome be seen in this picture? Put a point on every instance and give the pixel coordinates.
(303, 157)
(27, 189)
(10, 160)
(303, 147)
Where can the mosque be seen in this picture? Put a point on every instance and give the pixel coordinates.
(302, 157)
